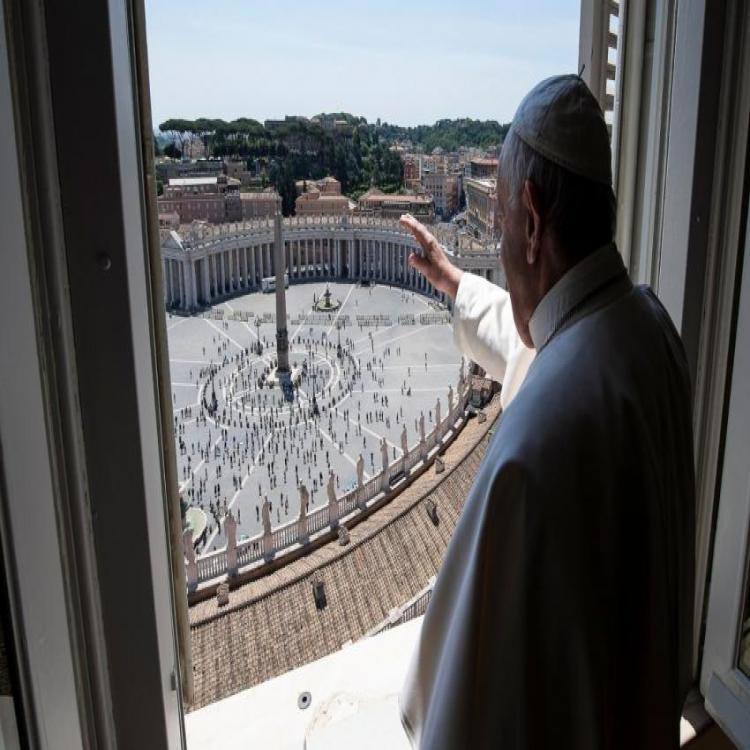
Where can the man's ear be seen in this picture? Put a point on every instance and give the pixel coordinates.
(532, 205)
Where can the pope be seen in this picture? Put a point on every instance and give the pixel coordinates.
(562, 613)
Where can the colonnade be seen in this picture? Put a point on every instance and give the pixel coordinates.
(198, 275)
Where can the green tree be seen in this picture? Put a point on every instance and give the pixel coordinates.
(172, 151)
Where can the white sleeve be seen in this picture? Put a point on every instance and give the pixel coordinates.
(483, 325)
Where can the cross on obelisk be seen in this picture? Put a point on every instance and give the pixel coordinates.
(282, 338)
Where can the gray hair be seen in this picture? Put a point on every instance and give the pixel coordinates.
(580, 212)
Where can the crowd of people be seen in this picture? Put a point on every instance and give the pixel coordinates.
(242, 442)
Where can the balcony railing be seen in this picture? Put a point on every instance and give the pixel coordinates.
(415, 607)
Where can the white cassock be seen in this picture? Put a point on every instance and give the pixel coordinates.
(562, 613)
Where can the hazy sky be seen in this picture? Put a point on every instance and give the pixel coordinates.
(405, 61)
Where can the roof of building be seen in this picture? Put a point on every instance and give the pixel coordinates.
(487, 183)
(260, 195)
(173, 241)
(484, 161)
(374, 193)
(189, 181)
(272, 625)
(317, 196)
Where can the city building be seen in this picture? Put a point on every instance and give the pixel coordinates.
(481, 203)
(235, 168)
(391, 206)
(167, 168)
(259, 204)
(315, 203)
(412, 172)
(444, 189)
(322, 198)
(169, 220)
(214, 199)
(483, 168)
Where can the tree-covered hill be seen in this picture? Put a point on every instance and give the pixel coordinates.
(358, 155)
(449, 134)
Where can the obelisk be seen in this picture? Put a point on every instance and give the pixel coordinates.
(282, 337)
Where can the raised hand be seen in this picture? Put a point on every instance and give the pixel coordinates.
(433, 264)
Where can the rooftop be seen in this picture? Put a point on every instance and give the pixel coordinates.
(375, 193)
(188, 181)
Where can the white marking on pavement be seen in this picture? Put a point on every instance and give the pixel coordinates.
(338, 312)
(422, 329)
(225, 335)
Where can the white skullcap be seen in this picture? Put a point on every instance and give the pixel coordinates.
(561, 120)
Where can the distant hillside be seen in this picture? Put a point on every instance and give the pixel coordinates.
(449, 134)
(358, 155)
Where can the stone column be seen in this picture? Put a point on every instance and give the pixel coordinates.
(187, 288)
(193, 286)
(206, 281)
(180, 294)
(252, 266)
(267, 259)
(244, 267)
(164, 280)
(307, 259)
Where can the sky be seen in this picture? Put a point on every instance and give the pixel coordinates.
(408, 62)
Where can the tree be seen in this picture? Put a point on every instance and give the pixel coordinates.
(172, 151)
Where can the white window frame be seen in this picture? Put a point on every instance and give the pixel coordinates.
(98, 629)
(725, 687)
(681, 160)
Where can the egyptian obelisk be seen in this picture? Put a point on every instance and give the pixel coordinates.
(279, 263)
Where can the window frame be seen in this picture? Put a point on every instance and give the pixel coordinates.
(725, 687)
(108, 635)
